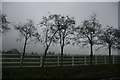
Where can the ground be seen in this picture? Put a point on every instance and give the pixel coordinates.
(82, 72)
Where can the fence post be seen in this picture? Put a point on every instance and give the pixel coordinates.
(113, 59)
(72, 60)
(40, 60)
(58, 61)
(85, 60)
(105, 59)
(95, 59)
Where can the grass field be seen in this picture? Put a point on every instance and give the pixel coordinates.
(84, 72)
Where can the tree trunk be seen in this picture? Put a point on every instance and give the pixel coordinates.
(110, 60)
(91, 54)
(62, 48)
(43, 60)
(24, 49)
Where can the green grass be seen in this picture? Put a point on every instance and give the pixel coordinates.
(85, 72)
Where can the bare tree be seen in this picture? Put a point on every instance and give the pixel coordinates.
(27, 32)
(87, 34)
(65, 34)
(49, 26)
(109, 38)
(4, 23)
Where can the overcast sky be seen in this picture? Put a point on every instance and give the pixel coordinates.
(107, 14)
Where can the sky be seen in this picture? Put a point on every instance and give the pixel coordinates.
(107, 14)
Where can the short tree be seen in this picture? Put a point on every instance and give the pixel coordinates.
(107, 38)
(117, 36)
(87, 34)
(27, 32)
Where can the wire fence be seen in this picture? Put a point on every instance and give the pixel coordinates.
(14, 60)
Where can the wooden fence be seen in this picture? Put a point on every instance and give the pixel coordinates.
(13, 60)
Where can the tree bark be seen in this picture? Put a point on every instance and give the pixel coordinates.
(110, 60)
(62, 48)
(91, 54)
(24, 50)
(43, 60)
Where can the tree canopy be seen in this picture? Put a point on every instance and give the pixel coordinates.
(5, 23)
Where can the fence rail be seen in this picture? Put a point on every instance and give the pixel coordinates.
(13, 60)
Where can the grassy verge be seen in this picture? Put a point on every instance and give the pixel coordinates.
(84, 72)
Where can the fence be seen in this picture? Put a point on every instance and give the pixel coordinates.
(13, 60)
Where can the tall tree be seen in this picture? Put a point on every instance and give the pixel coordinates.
(65, 34)
(87, 34)
(107, 38)
(49, 27)
(27, 32)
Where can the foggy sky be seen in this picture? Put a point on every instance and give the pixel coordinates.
(107, 14)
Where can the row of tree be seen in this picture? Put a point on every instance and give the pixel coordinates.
(62, 30)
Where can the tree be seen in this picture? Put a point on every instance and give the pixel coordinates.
(13, 51)
(64, 34)
(3, 20)
(51, 53)
(108, 38)
(27, 32)
(49, 26)
(87, 34)
(117, 36)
